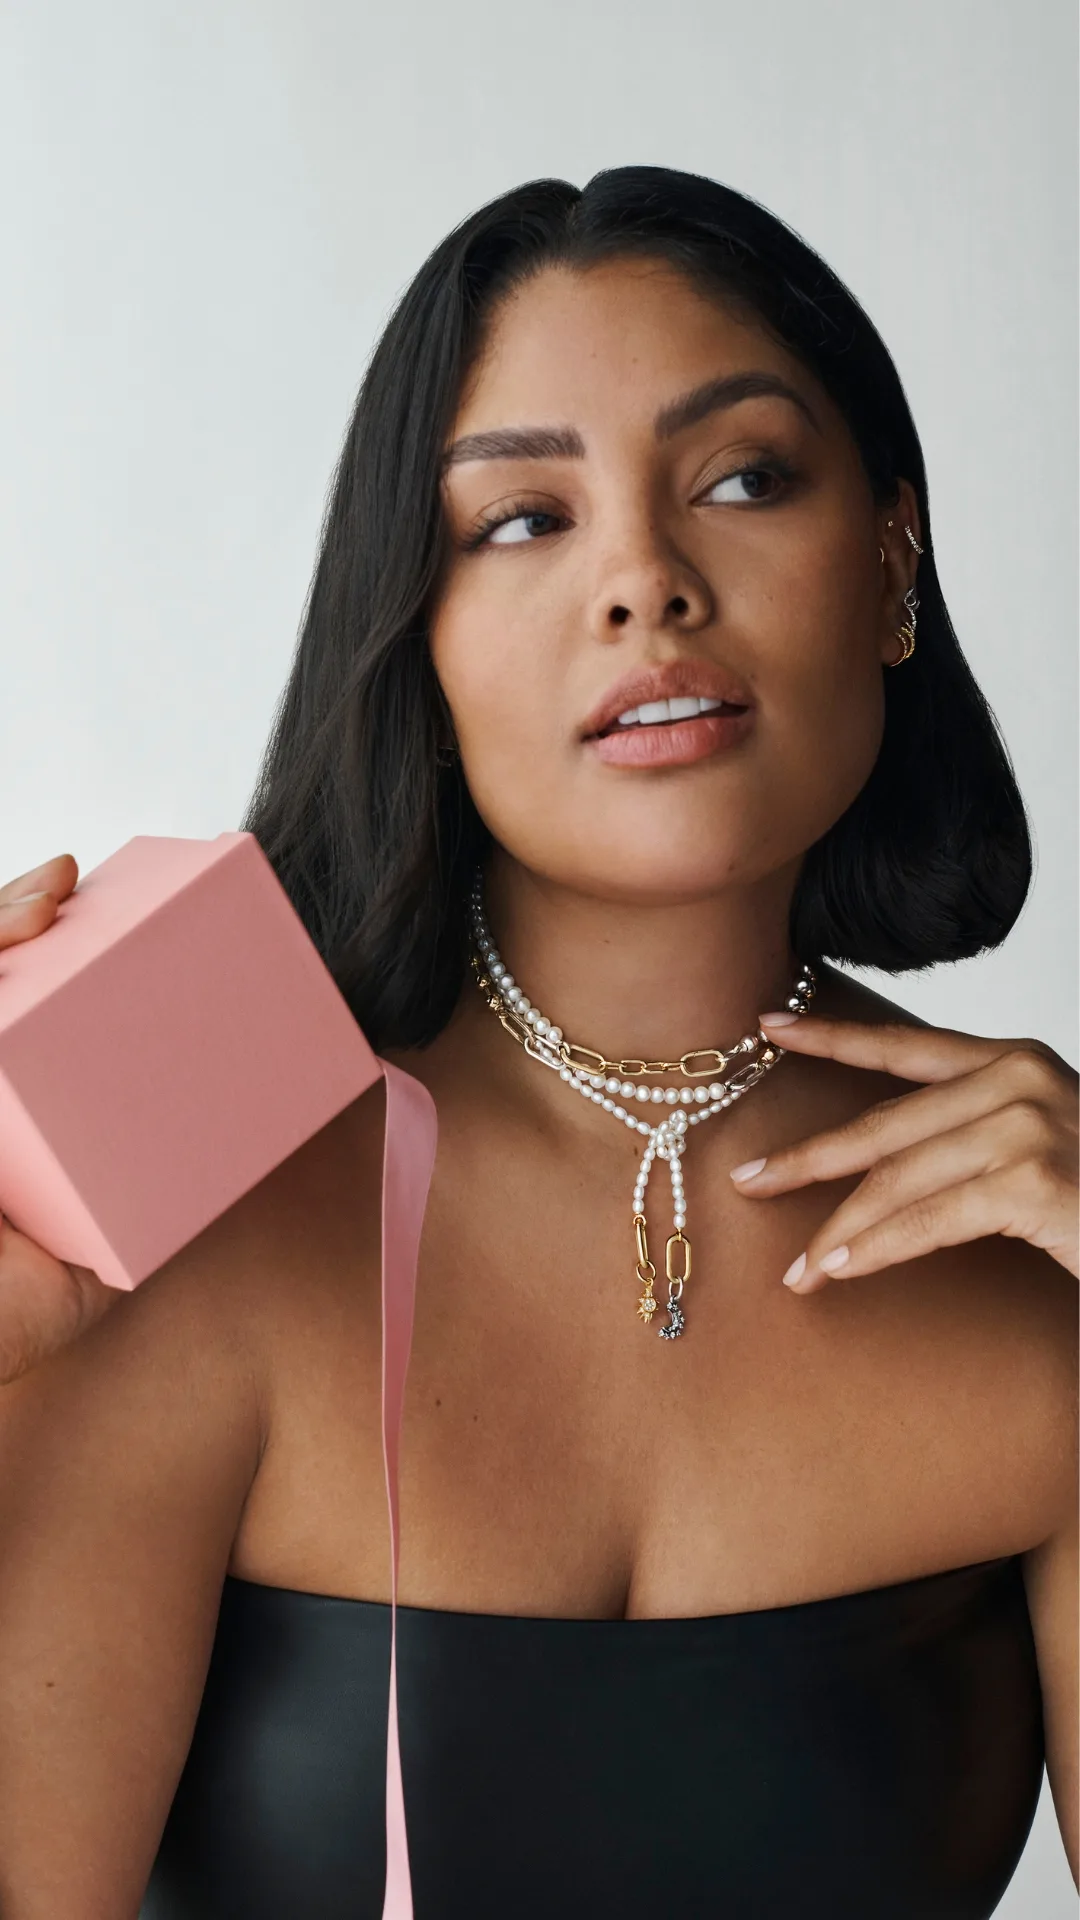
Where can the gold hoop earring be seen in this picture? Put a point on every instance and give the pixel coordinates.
(906, 633)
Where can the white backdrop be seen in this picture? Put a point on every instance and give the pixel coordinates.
(209, 209)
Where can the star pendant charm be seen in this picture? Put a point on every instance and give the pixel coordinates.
(647, 1306)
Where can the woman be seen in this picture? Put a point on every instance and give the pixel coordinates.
(774, 1613)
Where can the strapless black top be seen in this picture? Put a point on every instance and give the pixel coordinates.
(875, 1756)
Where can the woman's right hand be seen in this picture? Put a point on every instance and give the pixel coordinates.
(43, 1302)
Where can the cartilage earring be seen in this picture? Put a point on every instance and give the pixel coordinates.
(910, 536)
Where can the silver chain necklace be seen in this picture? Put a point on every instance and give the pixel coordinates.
(611, 1083)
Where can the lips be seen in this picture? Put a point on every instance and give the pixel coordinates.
(679, 694)
(673, 743)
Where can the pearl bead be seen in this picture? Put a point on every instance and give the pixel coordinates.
(671, 1096)
(716, 1091)
(542, 1025)
(680, 1220)
(619, 1112)
(598, 1098)
(641, 1093)
(701, 1095)
(555, 1035)
(656, 1095)
(565, 1073)
(609, 1106)
(523, 1004)
(509, 985)
(596, 1079)
(611, 1086)
(513, 994)
(643, 1127)
(686, 1094)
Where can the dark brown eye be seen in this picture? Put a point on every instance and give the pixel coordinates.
(752, 483)
(507, 532)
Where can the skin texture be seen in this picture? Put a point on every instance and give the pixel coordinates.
(557, 1459)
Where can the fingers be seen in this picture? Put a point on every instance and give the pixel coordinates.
(909, 1052)
(1017, 1139)
(1011, 1201)
(28, 905)
(43, 1303)
(1013, 1078)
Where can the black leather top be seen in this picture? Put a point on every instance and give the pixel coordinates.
(876, 1756)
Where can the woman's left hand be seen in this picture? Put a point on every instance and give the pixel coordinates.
(988, 1144)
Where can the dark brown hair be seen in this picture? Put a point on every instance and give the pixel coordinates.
(375, 840)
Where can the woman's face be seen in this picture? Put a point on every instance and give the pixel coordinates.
(625, 530)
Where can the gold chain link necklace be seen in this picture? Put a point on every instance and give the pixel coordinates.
(610, 1083)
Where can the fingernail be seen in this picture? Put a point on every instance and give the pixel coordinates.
(747, 1170)
(784, 1019)
(832, 1262)
(24, 899)
(795, 1272)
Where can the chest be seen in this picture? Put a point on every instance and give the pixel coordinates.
(559, 1458)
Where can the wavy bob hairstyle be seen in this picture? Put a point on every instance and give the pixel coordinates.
(375, 838)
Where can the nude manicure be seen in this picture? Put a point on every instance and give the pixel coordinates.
(795, 1272)
(784, 1019)
(832, 1262)
(748, 1169)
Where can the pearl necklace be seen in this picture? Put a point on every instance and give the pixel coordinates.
(607, 1083)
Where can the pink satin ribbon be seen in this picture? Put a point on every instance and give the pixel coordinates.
(408, 1159)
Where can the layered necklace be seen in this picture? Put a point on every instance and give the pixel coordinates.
(619, 1087)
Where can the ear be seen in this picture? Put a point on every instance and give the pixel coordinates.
(899, 566)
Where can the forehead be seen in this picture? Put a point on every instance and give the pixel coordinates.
(614, 340)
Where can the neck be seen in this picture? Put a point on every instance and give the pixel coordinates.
(644, 980)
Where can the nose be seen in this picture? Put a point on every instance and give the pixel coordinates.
(649, 585)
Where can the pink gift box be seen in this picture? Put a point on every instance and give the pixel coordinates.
(167, 1042)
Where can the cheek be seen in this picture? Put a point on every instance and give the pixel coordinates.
(830, 707)
(506, 683)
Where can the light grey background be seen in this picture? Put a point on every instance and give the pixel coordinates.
(208, 210)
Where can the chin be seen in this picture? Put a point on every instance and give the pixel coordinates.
(666, 870)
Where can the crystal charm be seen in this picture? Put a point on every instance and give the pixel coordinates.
(678, 1322)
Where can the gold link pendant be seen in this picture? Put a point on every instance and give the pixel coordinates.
(646, 1272)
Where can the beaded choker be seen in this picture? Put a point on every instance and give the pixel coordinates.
(617, 1087)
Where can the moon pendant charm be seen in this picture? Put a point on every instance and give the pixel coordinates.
(678, 1322)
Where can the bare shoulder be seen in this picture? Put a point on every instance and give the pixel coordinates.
(126, 1462)
(969, 1352)
(202, 1328)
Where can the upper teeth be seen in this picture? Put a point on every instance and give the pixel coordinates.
(683, 708)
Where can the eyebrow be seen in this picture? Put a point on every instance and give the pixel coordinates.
(565, 443)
